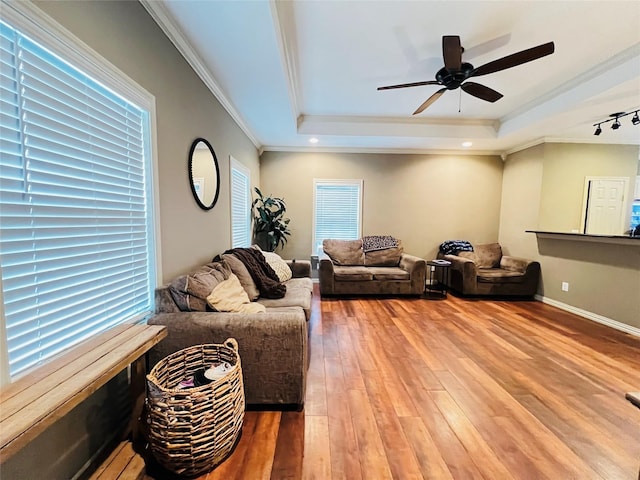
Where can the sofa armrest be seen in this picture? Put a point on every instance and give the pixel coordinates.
(412, 264)
(325, 274)
(417, 269)
(464, 273)
(515, 264)
(272, 347)
(300, 268)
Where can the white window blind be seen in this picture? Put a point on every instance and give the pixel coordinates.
(337, 210)
(240, 205)
(76, 237)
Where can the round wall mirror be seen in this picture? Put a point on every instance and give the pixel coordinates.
(204, 173)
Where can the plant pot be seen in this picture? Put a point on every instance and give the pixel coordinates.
(262, 240)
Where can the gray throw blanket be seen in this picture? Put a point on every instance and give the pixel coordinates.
(261, 272)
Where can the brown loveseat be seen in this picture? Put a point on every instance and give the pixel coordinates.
(346, 269)
(273, 345)
(486, 271)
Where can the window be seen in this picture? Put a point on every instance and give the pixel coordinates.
(336, 211)
(240, 205)
(76, 216)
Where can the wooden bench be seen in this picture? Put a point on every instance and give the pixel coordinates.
(37, 400)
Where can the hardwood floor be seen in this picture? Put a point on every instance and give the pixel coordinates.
(452, 389)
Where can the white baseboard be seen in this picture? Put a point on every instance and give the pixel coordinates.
(590, 316)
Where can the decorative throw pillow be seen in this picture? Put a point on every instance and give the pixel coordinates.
(239, 270)
(190, 291)
(230, 296)
(279, 266)
(344, 252)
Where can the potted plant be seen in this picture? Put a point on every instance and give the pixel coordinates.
(270, 228)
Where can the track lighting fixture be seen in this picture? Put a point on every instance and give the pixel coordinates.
(615, 118)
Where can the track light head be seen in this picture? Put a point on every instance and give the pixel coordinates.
(598, 130)
(615, 125)
(635, 120)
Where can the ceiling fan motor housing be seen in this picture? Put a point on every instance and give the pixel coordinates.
(452, 80)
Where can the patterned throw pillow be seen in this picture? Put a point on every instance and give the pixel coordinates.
(279, 266)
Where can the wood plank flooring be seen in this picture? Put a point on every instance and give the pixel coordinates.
(452, 389)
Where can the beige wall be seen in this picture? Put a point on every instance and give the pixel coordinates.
(604, 279)
(421, 199)
(124, 34)
(566, 165)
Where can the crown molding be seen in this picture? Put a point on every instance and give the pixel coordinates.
(395, 127)
(616, 70)
(394, 151)
(284, 29)
(163, 19)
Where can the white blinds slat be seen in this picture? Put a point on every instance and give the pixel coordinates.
(337, 211)
(75, 236)
(240, 209)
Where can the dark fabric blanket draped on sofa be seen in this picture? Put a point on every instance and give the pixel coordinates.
(263, 275)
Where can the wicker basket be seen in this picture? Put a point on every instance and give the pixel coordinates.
(191, 430)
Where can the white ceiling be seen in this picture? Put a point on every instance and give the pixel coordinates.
(290, 70)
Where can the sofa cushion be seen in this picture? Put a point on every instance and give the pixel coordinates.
(389, 273)
(190, 291)
(351, 274)
(300, 282)
(239, 270)
(230, 296)
(295, 297)
(389, 257)
(279, 265)
(499, 275)
(344, 252)
(488, 255)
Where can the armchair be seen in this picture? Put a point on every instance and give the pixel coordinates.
(485, 271)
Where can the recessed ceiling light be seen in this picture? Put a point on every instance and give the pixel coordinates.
(313, 140)
(467, 144)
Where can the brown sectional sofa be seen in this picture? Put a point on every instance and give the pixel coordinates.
(345, 269)
(486, 271)
(273, 346)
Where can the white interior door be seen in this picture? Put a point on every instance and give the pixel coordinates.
(605, 206)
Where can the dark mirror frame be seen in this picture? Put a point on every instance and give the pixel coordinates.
(215, 166)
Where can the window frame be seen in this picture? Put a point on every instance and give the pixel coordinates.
(41, 28)
(235, 164)
(316, 249)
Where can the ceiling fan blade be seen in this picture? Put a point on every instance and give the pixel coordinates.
(451, 52)
(515, 59)
(405, 85)
(482, 92)
(429, 101)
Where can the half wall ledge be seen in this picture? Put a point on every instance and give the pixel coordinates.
(586, 237)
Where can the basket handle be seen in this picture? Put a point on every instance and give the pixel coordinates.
(231, 343)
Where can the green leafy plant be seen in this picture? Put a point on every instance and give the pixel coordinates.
(270, 228)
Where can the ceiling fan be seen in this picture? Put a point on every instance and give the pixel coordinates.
(455, 72)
